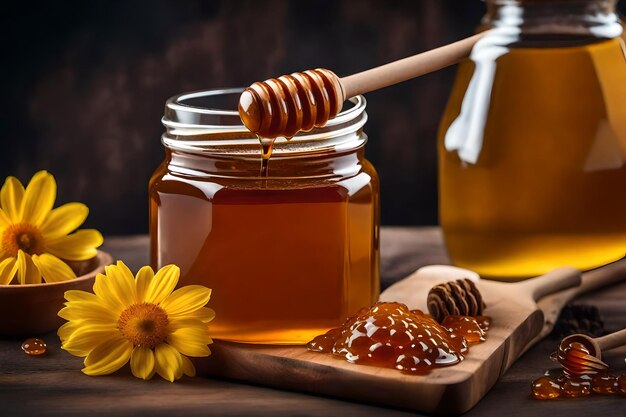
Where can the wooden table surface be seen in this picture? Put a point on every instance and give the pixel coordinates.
(54, 385)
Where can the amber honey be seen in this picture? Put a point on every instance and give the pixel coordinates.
(34, 347)
(543, 185)
(390, 335)
(289, 253)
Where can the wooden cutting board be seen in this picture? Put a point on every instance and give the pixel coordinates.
(517, 322)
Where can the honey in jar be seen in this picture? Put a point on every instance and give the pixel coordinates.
(288, 254)
(532, 145)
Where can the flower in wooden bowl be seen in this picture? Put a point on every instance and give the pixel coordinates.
(39, 243)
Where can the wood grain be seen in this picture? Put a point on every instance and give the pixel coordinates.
(53, 385)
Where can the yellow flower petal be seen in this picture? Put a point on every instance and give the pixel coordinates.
(52, 268)
(5, 220)
(142, 362)
(190, 337)
(120, 284)
(67, 329)
(39, 198)
(162, 284)
(64, 220)
(11, 197)
(142, 282)
(8, 268)
(85, 338)
(27, 272)
(186, 300)
(78, 246)
(188, 368)
(108, 357)
(180, 341)
(91, 311)
(169, 363)
(105, 295)
(78, 295)
(203, 314)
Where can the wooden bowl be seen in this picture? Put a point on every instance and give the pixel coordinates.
(30, 310)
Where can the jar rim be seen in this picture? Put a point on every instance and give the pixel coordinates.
(195, 125)
(181, 113)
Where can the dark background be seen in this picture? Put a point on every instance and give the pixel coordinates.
(84, 84)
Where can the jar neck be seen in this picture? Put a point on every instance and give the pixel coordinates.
(322, 166)
(574, 20)
(204, 138)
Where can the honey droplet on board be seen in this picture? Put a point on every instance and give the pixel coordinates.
(465, 326)
(34, 347)
(604, 383)
(484, 322)
(545, 388)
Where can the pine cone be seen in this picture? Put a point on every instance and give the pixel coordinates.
(460, 297)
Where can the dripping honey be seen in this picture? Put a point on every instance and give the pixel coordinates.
(546, 189)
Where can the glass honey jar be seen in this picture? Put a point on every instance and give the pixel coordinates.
(533, 141)
(289, 254)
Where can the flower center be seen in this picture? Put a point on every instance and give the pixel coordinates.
(22, 236)
(144, 324)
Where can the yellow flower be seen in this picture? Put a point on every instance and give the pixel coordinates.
(34, 237)
(138, 318)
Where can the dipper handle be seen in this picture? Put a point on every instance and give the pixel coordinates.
(408, 68)
(300, 101)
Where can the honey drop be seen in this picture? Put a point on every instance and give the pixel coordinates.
(484, 322)
(604, 383)
(545, 388)
(575, 387)
(34, 347)
(465, 326)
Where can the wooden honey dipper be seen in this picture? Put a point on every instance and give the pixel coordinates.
(582, 355)
(288, 104)
(453, 298)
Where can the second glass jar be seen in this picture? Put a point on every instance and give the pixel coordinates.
(532, 146)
